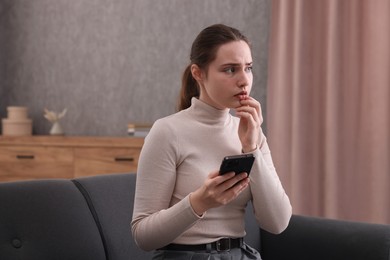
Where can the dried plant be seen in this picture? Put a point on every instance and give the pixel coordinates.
(54, 116)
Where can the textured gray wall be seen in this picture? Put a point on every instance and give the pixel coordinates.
(2, 52)
(111, 62)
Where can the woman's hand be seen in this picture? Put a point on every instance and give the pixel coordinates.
(218, 190)
(250, 122)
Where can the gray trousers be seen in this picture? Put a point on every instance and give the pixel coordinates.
(244, 253)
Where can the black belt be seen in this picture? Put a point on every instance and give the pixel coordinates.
(224, 244)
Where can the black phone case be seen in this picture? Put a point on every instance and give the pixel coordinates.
(237, 163)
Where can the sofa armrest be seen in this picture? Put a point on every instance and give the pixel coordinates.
(320, 238)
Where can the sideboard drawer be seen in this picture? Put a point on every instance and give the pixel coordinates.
(43, 157)
(92, 161)
(29, 162)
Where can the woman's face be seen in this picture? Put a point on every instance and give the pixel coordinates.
(229, 77)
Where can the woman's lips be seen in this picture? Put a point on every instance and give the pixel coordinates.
(242, 95)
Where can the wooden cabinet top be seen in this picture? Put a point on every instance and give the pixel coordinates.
(73, 141)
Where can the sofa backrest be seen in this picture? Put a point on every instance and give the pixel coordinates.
(108, 193)
(85, 218)
(112, 197)
(46, 219)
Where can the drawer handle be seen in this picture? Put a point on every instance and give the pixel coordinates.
(124, 159)
(29, 157)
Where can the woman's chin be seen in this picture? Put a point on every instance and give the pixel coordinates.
(235, 104)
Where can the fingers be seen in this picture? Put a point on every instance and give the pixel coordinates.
(213, 174)
(250, 110)
(234, 180)
(250, 115)
(218, 190)
(229, 181)
(232, 187)
(251, 102)
(250, 123)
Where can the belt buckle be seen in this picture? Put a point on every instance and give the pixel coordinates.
(223, 245)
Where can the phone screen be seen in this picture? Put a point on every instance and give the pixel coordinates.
(237, 163)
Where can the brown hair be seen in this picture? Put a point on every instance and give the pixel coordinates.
(203, 52)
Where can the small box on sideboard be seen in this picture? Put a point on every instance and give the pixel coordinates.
(41, 157)
(17, 122)
(138, 130)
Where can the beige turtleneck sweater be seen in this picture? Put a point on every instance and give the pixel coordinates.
(178, 154)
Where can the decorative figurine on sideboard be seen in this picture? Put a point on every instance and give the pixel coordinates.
(54, 118)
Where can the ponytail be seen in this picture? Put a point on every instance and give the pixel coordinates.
(189, 89)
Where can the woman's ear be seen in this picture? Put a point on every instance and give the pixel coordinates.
(196, 73)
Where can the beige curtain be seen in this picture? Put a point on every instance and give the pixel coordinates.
(328, 106)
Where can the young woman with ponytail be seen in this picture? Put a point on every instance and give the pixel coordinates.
(185, 209)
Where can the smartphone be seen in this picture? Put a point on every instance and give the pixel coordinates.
(237, 163)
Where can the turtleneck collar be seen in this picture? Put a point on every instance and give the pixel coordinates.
(207, 114)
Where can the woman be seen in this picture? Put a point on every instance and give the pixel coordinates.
(183, 207)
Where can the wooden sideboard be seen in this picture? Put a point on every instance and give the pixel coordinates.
(45, 157)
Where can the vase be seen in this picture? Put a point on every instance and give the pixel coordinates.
(56, 129)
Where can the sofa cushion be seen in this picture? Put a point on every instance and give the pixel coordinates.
(46, 219)
(112, 198)
(322, 239)
(108, 193)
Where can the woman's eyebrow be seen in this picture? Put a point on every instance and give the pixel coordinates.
(236, 64)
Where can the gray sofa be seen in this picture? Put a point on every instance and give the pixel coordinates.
(89, 219)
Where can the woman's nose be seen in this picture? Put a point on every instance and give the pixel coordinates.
(243, 79)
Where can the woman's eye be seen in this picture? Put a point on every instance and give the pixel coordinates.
(230, 70)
